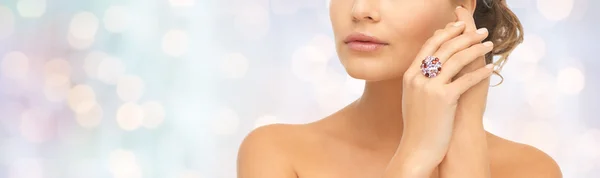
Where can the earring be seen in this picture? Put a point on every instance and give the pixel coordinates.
(501, 79)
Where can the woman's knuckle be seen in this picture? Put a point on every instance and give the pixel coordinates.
(446, 46)
(441, 94)
(429, 89)
(466, 54)
(429, 42)
(407, 78)
(417, 83)
(450, 98)
(451, 65)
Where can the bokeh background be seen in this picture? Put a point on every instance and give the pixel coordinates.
(169, 88)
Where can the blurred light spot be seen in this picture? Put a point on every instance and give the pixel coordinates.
(35, 125)
(586, 150)
(79, 44)
(7, 22)
(110, 70)
(265, 120)
(517, 4)
(189, 174)
(123, 164)
(175, 43)
(329, 82)
(252, 22)
(15, 65)
(570, 81)
(226, 122)
(56, 87)
(182, 3)
(57, 66)
(234, 65)
(90, 118)
(328, 91)
(541, 135)
(325, 44)
(154, 114)
(519, 70)
(309, 63)
(31, 8)
(81, 98)
(531, 50)
(26, 168)
(354, 86)
(580, 8)
(92, 61)
(541, 94)
(84, 26)
(130, 116)
(56, 79)
(130, 88)
(116, 19)
(555, 10)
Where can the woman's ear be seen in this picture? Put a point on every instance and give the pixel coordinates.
(471, 5)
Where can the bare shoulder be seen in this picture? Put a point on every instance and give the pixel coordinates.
(517, 160)
(266, 152)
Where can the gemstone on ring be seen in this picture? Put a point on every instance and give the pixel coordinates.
(431, 66)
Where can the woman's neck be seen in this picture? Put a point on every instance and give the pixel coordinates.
(378, 112)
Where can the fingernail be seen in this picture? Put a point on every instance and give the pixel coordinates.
(488, 43)
(481, 31)
(489, 66)
(458, 7)
(459, 23)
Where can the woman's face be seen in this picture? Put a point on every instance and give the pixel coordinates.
(398, 27)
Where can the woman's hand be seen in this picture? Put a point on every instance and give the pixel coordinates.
(429, 104)
(467, 154)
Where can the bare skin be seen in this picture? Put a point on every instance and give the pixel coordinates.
(332, 148)
(391, 131)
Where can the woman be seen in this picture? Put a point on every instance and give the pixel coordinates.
(414, 120)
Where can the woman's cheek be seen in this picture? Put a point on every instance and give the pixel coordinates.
(419, 26)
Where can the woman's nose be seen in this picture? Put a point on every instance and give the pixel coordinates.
(366, 10)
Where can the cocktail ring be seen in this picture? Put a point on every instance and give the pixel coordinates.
(431, 66)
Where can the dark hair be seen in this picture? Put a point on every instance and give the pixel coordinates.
(505, 29)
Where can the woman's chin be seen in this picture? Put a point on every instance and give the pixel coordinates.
(374, 74)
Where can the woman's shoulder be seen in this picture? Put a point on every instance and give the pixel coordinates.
(513, 159)
(267, 151)
(272, 137)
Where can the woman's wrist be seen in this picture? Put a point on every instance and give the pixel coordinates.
(410, 162)
(406, 168)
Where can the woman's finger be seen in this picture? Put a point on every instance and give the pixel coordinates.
(462, 84)
(463, 58)
(460, 43)
(433, 43)
(450, 24)
(467, 16)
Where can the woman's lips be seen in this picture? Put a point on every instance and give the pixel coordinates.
(364, 43)
(364, 46)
